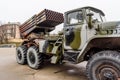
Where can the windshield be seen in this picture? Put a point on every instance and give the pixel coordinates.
(74, 17)
(103, 18)
(96, 16)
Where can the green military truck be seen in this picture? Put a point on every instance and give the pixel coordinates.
(86, 36)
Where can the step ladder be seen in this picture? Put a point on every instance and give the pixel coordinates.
(56, 54)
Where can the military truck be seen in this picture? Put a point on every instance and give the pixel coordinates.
(86, 36)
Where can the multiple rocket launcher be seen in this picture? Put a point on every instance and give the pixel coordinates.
(46, 20)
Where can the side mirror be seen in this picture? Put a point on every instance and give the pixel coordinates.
(90, 20)
(90, 14)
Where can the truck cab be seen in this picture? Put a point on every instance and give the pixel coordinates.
(79, 26)
(88, 37)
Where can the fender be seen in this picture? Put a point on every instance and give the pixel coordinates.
(111, 42)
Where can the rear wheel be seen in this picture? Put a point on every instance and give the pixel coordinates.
(21, 54)
(34, 58)
(104, 65)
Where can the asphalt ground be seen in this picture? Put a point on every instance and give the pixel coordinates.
(10, 70)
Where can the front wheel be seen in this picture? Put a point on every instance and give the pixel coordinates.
(34, 58)
(104, 65)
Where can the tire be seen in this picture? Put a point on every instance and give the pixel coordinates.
(21, 55)
(34, 58)
(104, 65)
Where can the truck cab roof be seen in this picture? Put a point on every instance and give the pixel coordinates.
(87, 7)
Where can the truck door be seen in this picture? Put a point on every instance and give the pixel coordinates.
(73, 30)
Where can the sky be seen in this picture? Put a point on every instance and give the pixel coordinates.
(21, 10)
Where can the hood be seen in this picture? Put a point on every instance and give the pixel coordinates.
(109, 25)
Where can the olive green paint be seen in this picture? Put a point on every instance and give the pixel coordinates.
(77, 40)
(49, 48)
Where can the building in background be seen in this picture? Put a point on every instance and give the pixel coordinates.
(9, 31)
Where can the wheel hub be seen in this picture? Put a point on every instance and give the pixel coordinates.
(19, 55)
(107, 73)
(32, 58)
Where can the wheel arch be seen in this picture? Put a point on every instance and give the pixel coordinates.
(97, 44)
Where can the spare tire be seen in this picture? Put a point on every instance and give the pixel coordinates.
(46, 44)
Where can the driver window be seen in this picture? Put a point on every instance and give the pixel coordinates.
(75, 17)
